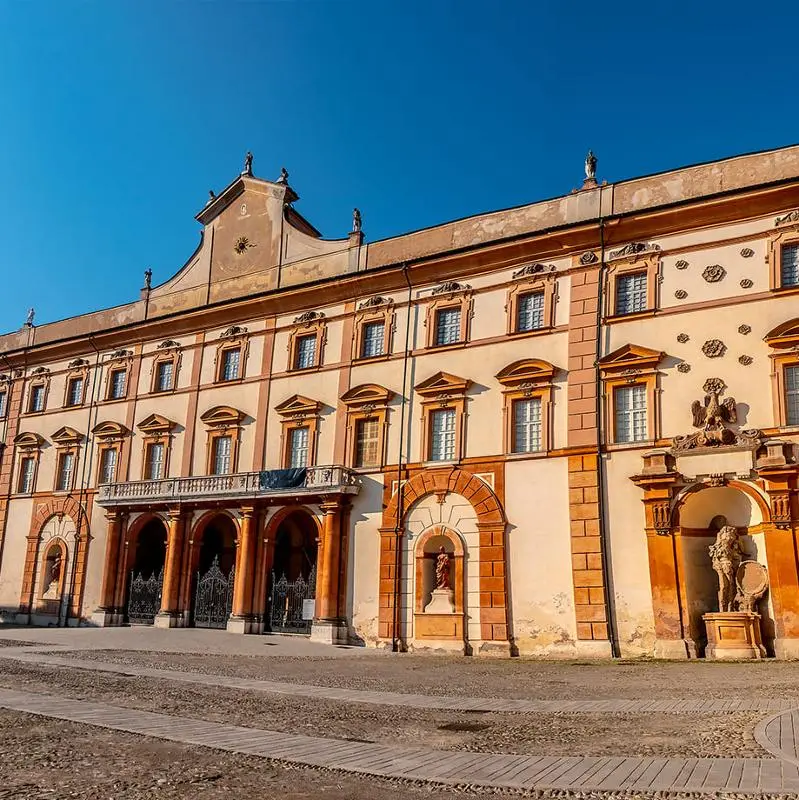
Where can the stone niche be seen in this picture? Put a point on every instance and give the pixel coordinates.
(439, 614)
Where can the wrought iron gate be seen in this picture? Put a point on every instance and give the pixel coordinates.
(213, 600)
(144, 598)
(287, 602)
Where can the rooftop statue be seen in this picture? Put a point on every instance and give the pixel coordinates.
(247, 164)
(356, 220)
(590, 166)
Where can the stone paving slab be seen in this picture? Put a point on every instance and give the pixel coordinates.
(417, 763)
(418, 701)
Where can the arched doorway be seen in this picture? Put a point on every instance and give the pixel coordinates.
(292, 579)
(701, 513)
(146, 577)
(214, 571)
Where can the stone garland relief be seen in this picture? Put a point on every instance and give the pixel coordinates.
(747, 283)
(682, 338)
(714, 348)
(714, 273)
(744, 329)
(681, 264)
(681, 294)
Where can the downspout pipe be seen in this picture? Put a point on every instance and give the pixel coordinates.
(607, 576)
(396, 642)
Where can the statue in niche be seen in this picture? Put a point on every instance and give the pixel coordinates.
(442, 569)
(52, 574)
(726, 554)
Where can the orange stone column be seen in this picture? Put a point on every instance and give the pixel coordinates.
(169, 615)
(107, 611)
(241, 616)
(328, 626)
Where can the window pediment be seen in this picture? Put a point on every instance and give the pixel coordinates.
(442, 383)
(67, 436)
(527, 370)
(630, 356)
(222, 417)
(784, 335)
(28, 440)
(110, 430)
(297, 404)
(367, 394)
(155, 423)
(235, 332)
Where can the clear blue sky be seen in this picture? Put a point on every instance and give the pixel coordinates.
(117, 117)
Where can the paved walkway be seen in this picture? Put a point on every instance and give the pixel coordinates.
(424, 764)
(421, 701)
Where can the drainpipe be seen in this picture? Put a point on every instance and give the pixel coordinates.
(84, 480)
(395, 645)
(607, 577)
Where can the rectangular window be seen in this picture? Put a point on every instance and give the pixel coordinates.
(372, 341)
(163, 376)
(75, 392)
(27, 469)
(298, 447)
(792, 395)
(3, 403)
(36, 399)
(527, 425)
(442, 435)
(154, 462)
(117, 384)
(305, 356)
(222, 449)
(631, 293)
(790, 265)
(367, 443)
(64, 476)
(448, 326)
(530, 312)
(108, 465)
(631, 423)
(230, 365)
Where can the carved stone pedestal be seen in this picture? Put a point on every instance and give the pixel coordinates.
(442, 601)
(733, 635)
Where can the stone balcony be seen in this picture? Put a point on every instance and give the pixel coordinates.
(310, 482)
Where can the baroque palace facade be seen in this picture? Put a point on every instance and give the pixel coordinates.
(513, 433)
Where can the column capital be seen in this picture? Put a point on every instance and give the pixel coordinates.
(113, 515)
(247, 512)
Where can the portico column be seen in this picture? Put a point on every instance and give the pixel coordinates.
(169, 615)
(107, 614)
(327, 626)
(241, 618)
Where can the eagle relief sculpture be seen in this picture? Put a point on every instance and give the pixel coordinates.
(712, 416)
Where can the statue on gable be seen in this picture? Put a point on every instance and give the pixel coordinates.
(247, 164)
(29, 319)
(590, 166)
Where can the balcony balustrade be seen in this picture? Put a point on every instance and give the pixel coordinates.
(238, 486)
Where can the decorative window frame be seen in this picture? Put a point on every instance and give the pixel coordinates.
(366, 402)
(307, 324)
(530, 279)
(450, 294)
(633, 258)
(5, 388)
(786, 232)
(168, 350)
(79, 368)
(39, 377)
(156, 429)
(27, 445)
(222, 421)
(119, 360)
(236, 337)
(630, 365)
(439, 391)
(522, 380)
(784, 343)
(298, 412)
(375, 309)
(110, 436)
(66, 440)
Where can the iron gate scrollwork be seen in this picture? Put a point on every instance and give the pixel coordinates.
(144, 598)
(287, 600)
(214, 597)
